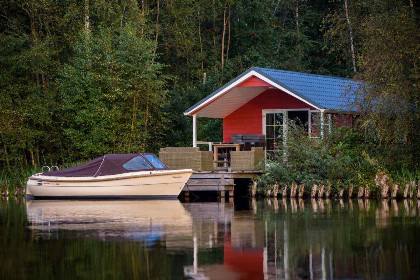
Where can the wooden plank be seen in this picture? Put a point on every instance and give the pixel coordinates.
(200, 181)
(210, 176)
(208, 188)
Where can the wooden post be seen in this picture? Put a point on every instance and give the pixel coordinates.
(293, 190)
(340, 193)
(329, 124)
(284, 192)
(231, 193)
(367, 191)
(268, 194)
(385, 191)
(322, 124)
(254, 189)
(275, 190)
(301, 190)
(328, 193)
(413, 185)
(321, 191)
(394, 191)
(314, 190)
(350, 191)
(407, 186)
(361, 192)
(194, 130)
(418, 189)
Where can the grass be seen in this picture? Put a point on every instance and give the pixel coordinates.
(14, 181)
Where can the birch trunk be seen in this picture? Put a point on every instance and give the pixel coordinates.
(133, 117)
(87, 18)
(298, 31)
(201, 45)
(349, 25)
(157, 31)
(223, 37)
(228, 43)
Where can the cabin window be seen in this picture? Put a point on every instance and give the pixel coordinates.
(136, 164)
(155, 161)
(275, 126)
(274, 131)
(300, 118)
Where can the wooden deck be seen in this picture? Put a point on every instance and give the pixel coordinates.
(216, 181)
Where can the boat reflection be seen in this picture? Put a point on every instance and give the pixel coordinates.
(149, 220)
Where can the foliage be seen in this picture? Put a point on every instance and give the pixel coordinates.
(390, 102)
(339, 160)
(83, 78)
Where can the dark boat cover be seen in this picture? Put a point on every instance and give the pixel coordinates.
(110, 164)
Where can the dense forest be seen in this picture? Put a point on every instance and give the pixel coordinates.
(82, 78)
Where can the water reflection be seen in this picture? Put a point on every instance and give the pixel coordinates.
(151, 220)
(251, 239)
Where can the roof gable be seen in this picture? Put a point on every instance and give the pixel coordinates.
(321, 92)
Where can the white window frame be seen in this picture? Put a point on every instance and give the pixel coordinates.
(286, 119)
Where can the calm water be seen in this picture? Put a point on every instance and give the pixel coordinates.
(265, 239)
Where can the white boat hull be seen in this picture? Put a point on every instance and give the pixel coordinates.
(145, 184)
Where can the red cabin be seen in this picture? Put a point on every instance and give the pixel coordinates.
(260, 101)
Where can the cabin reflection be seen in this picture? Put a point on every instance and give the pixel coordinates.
(265, 239)
(256, 246)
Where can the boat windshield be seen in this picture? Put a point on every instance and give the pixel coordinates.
(136, 164)
(153, 159)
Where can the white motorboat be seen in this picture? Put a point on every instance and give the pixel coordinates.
(111, 176)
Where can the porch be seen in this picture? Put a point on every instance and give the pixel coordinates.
(232, 171)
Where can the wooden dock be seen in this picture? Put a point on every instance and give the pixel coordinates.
(222, 182)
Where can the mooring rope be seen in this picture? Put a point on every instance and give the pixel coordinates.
(197, 197)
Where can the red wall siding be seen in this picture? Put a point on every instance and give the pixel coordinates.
(248, 118)
(254, 82)
(338, 120)
(247, 264)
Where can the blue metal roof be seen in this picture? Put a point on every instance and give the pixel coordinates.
(325, 92)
